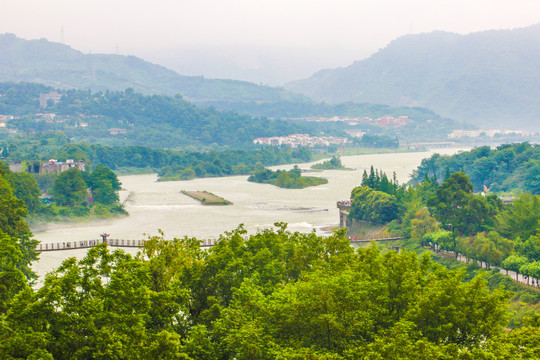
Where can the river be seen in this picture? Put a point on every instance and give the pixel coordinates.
(161, 205)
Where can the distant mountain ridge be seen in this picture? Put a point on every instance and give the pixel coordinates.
(490, 78)
(60, 66)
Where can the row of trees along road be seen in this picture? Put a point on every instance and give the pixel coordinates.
(482, 228)
(452, 217)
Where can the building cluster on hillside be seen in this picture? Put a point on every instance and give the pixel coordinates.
(53, 96)
(384, 121)
(49, 167)
(388, 120)
(4, 119)
(298, 140)
(456, 134)
(117, 131)
(54, 166)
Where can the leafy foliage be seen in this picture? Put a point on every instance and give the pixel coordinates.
(69, 188)
(333, 164)
(131, 118)
(458, 208)
(291, 179)
(509, 167)
(274, 294)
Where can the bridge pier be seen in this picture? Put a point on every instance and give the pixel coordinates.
(344, 211)
(343, 215)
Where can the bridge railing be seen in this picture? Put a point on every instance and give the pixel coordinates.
(84, 244)
(68, 245)
(382, 237)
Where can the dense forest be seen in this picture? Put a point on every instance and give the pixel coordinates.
(168, 163)
(291, 179)
(295, 109)
(507, 168)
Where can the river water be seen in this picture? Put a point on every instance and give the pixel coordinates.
(161, 205)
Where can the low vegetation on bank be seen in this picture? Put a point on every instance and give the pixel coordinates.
(68, 195)
(291, 179)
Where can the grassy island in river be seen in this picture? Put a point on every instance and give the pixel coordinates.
(291, 179)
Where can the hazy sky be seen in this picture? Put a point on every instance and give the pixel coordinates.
(262, 33)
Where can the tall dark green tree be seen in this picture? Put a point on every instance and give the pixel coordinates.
(16, 235)
(104, 185)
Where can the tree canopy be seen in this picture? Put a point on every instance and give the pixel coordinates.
(271, 295)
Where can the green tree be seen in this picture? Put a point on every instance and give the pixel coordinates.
(422, 224)
(522, 218)
(103, 173)
(458, 209)
(13, 228)
(514, 263)
(531, 269)
(103, 192)
(371, 205)
(69, 188)
(25, 187)
(12, 279)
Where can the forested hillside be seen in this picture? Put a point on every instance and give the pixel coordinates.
(294, 109)
(59, 65)
(508, 168)
(170, 164)
(156, 121)
(485, 78)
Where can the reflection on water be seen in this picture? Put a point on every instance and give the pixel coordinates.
(160, 205)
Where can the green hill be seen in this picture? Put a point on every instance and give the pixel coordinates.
(123, 118)
(488, 78)
(60, 66)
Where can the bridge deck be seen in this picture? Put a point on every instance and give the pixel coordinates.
(85, 244)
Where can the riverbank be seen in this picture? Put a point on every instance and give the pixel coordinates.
(66, 215)
(160, 205)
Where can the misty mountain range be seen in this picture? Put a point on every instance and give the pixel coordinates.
(491, 78)
(60, 66)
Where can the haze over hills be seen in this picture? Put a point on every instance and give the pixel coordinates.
(60, 66)
(488, 78)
